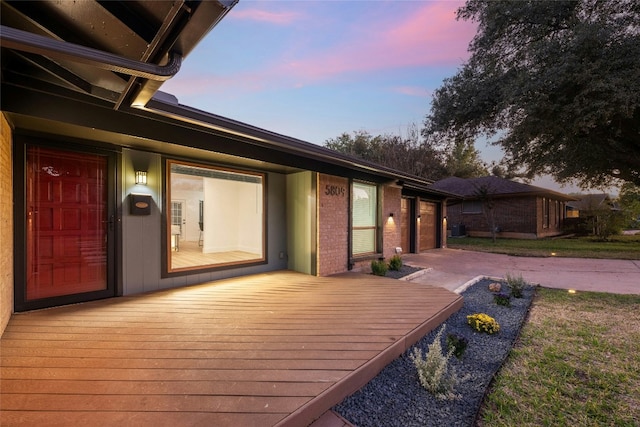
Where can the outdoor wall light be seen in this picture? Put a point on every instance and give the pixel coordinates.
(391, 215)
(141, 177)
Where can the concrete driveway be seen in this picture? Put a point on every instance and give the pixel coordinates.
(451, 268)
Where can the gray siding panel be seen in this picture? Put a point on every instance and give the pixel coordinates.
(141, 235)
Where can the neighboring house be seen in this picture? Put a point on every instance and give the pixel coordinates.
(591, 213)
(110, 187)
(586, 204)
(519, 210)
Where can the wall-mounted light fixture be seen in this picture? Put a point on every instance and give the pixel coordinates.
(391, 215)
(419, 216)
(141, 177)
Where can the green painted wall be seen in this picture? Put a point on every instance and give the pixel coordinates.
(301, 222)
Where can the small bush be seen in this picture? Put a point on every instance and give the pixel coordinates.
(395, 263)
(516, 284)
(457, 344)
(378, 267)
(482, 322)
(502, 298)
(434, 372)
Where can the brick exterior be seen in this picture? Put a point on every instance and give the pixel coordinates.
(6, 224)
(391, 237)
(516, 217)
(333, 225)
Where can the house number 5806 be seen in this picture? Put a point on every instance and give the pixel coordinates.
(334, 190)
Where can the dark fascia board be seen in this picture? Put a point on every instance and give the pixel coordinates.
(60, 105)
(166, 105)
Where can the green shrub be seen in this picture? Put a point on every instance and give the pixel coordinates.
(457, 344)
(434, 372)
(379, 267)
(516, 284)
(482, 322)
(395, 263)
(502, 298)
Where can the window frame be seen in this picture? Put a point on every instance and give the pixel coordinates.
(475, 204)
(545, 212)
(376, 222)
(167, 269)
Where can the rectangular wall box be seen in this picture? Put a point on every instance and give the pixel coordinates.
(139, 204)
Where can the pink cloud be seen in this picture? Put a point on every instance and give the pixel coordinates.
(210, 84)
(279, 18)
(428, 36)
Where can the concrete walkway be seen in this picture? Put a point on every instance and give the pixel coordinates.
(451, 268)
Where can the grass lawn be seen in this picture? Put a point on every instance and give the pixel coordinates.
(576, 363)
(619, 247)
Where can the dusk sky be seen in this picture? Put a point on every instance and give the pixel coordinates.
(313, 70)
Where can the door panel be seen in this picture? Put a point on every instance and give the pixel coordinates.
(427, 225)
(67, 224)
(405, 225)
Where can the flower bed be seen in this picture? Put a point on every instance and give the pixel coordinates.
(396, 398)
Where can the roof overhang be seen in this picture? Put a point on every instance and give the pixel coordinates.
(108, 61)
(118, 51)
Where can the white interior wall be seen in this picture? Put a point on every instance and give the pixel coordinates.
(233, 216)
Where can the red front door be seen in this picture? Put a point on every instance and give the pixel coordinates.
(67, 223)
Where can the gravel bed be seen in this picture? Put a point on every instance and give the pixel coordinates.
(405, 270)
(396, 398)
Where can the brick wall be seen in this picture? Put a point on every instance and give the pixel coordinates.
(333, 224)
(517, 217)
(6, 224)
(555, 221)
(391, 237)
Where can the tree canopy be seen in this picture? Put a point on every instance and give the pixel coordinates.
(406, 154)
(429, 159)
(555, 83)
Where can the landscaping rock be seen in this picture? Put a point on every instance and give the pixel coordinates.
(396, 398)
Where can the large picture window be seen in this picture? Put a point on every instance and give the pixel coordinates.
(215, 217)
(365, 218)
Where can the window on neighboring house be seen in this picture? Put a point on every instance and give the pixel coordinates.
(545, 212)
(472, 206)
(364, 218)
(215, 217)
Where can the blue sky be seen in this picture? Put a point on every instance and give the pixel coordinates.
(315, 69)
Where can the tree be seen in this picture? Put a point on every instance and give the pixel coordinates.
(485, 193)
(463, 161)
(629, 199)
(404, 153)
(555, 83)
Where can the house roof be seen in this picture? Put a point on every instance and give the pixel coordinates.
(587, 202)
(499, 187)
(109, 59)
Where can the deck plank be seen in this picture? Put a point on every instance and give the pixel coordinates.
(272, 349)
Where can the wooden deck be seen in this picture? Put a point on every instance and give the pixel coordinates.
(270, 349)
